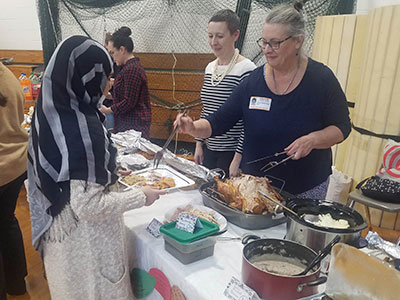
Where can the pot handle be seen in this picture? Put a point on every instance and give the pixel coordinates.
(216, 172)
(319, 281)
(249, 237)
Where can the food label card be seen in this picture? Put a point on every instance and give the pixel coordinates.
(154, 228)
(188, 222)
(237, 290)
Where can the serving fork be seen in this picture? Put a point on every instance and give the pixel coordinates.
(272, 164)
(159, 154)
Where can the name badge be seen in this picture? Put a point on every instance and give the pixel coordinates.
(260, 103)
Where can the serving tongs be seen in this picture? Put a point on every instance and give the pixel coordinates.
(272, 164)
(159, 154)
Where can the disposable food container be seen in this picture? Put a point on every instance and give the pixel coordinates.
(189, 247)
(191, 252)
(185, 237)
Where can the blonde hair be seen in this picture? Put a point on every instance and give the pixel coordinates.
(290, 15)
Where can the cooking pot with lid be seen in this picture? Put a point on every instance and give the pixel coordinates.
(317, 237)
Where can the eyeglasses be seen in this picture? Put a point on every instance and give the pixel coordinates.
(273, 43)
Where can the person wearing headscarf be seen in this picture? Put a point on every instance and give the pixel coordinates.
(76, 213)
(13, 159)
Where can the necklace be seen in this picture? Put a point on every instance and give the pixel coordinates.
(216, 77)
(290, 83)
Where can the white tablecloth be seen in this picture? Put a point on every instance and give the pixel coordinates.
(205, 279)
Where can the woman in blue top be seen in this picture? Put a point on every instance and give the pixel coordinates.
(292, 104)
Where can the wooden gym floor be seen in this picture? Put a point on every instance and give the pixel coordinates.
(36, 284)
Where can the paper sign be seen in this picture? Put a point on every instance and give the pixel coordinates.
(237, 290)
(188, 222)
(162, 284)
(143, 283)
(154, 228)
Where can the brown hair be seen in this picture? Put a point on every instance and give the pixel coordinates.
(230, 17)
(121, 37)
(107, 38)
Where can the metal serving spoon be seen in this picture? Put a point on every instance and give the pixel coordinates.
(310, 218)
(321, 255)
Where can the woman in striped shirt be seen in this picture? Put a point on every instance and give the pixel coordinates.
(221, 77)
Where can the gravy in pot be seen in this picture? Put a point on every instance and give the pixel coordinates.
(277, 264)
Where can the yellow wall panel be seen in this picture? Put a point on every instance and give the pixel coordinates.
(358, 48)
(364, 53)
(335, 44)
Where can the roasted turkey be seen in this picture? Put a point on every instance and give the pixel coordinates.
(241, 193)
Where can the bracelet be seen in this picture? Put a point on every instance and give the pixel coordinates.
(102, 98)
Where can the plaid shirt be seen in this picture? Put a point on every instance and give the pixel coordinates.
(131, 101)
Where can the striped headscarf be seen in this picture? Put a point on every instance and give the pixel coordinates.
(67, 139)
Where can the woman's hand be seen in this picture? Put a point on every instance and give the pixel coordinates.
(301, 147)
(152, 194)
(198, 153)
(185, 124)
(321, 139)
(105, 110)
(109, 85)
(124, 172)
(234, 166)
(200, 128)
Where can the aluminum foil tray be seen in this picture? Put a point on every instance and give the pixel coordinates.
(235, 216)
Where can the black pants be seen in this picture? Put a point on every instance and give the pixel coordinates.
(11, 243)
(218, 159)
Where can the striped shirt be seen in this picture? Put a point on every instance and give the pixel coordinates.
(213, 97)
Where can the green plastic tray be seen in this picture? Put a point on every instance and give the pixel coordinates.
(184, 237)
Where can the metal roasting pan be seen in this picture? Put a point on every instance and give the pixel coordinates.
(236, 216)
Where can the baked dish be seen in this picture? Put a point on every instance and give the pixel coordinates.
(242, 193)
(208, 215)
(164, 183)
(138, 180)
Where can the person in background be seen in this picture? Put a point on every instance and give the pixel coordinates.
(221, 77)
(13, 161)
(108, 97)
(131, 101)
(107, 44)
(76, 209)
(292, 105)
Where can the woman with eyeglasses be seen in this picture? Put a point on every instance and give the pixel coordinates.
(221, 77)
(292, 106)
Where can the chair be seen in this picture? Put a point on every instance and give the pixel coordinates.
(388, 234)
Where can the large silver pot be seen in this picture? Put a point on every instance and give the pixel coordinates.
(317, 237)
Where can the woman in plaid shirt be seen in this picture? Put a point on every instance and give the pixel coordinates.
(131, 101)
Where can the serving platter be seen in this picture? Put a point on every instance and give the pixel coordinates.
(153, 175)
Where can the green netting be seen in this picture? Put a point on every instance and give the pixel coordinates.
(165, 26)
